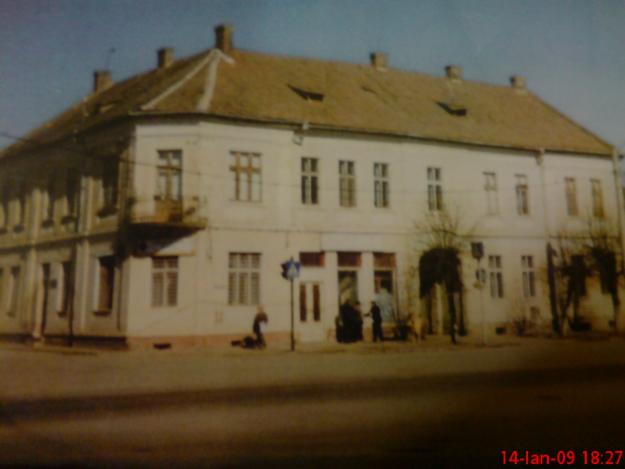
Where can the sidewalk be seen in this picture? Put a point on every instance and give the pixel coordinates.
(66, 373)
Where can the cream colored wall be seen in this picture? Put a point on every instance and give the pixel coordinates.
(280, 226)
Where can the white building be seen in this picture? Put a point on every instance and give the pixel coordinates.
(158, 210)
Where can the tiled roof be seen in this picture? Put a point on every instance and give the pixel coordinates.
(332, 95)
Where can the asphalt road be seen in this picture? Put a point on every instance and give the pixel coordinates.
(460, 420)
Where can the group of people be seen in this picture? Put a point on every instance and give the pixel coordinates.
(350, 322)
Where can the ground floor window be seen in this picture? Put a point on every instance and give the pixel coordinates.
(13, 289)
(243, 278)
(164, 281)
(529, 280)
(496, 276)
(309, 301)
(106, 278)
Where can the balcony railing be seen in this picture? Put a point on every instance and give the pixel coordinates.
(184, 214)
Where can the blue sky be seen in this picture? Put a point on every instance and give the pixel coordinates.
(572, 52)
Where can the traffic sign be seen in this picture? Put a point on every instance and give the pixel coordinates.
(290, 269)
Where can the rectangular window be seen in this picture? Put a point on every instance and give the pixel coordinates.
(72, 193)
(492, 200)
(169, 175)
(14, 289)
(5, 196)
(496, 276)
(310, 181)
(435, 190)
(246, 169)
(66, 292)
(164, 281)
(21, 204)
(381, 184)
(529, 276)
(49, 198)
(244, 278)
(110, 174)
(522, 195)
(597, 198)
(570, 188)
(311, 259)
(309, 301)
(106, 279)
(348, 259)
(347, 184)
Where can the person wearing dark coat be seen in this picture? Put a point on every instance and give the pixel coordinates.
(261, 317)
(376, 316)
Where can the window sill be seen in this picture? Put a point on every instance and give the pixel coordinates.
(102, 312)
(108, 210)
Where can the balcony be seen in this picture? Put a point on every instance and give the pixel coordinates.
(167, 218)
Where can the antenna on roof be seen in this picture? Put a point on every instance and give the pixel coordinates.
(109, 55)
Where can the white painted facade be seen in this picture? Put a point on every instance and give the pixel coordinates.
(280, 226)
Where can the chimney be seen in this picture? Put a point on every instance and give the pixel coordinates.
(101, 80)
(223, 37)
(379, 60)
(517, 82)
(165, 57)
(453, 72)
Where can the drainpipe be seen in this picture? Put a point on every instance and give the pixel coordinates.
(551, 278)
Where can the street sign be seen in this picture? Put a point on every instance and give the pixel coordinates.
(290, 269)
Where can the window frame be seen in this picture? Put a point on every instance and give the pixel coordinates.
(596, 194)
(495, 267)
(166, 167)
(570, 195)
(248, 173)
(435, 189)
(381, 185)
(105, 264)
(347, 183)
(521, 189)
(492, 195)
(167, 268)
(528, 274)
(309, 168)
(244, 278)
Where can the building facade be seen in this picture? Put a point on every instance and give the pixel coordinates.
(159, 209)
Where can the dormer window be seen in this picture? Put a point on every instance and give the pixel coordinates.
(307, 95)
(453, 109)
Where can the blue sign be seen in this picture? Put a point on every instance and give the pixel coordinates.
(290, 269)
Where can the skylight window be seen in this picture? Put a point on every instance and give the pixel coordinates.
(453, 109)
(307, 95)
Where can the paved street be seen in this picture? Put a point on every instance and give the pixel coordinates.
(400, 406)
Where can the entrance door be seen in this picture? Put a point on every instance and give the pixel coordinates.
(310, 312)
(348, 286)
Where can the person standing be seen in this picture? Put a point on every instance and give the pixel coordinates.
(376, 316)
(260, 319)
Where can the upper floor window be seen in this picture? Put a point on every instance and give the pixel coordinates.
(164, 281)
(347, 184)
(72, 193)
(48, 200)
(5, 197)
(496, 276)
(110, 174)
(22, 197)
(169, 176)
(244, 278)
(597, 198)
(529, 276)
(522, 195)
(246, 170)
(490, 186)
(311, 259)
(570, 188)
(310, 181)
(435, 189)
(381, 184)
